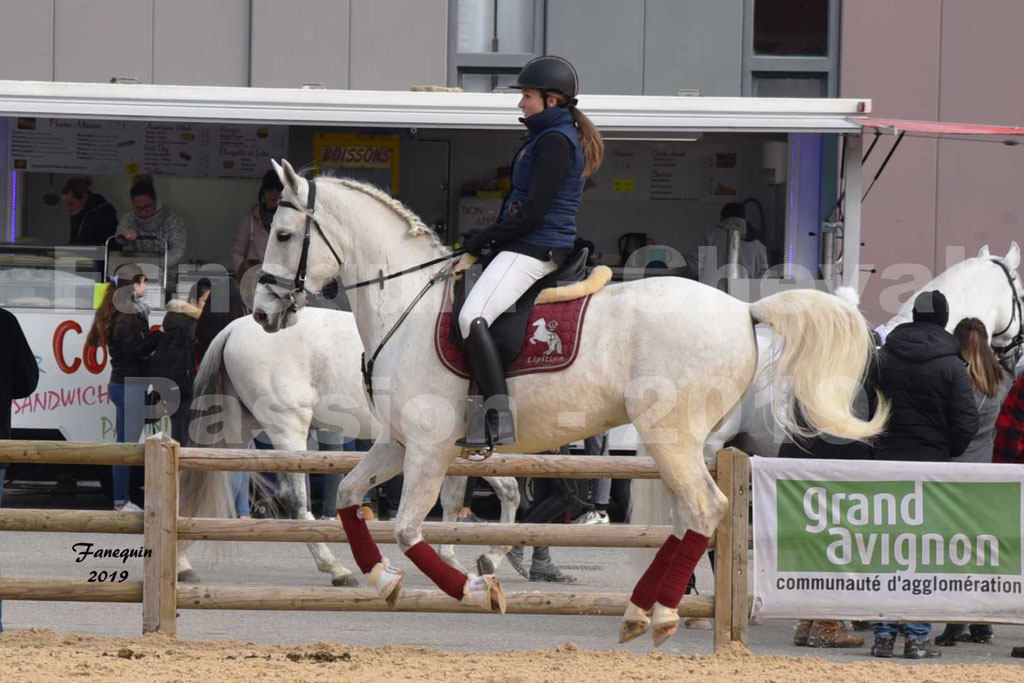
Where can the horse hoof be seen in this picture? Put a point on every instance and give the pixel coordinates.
(634, 624)
(347, 580)
(485, 566)
(662, 632)
(392, 597)
(497, 595)
(664, 624)
(484, 592)
(387, 580)
(698, 624)
(188, 576)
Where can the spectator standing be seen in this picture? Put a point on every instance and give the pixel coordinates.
(93, 219)
(122, 323)
(990, 382)
(600, 489)
(174, 357)
(1009, 443)
(933, 418)
(151, 226)
(19, 375)
(254, 229)
(552, 500)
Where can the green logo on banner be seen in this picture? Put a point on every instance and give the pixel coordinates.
(899, 526)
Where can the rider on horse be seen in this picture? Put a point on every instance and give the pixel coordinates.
(534, 232)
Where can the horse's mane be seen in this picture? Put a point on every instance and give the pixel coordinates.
(417, 228)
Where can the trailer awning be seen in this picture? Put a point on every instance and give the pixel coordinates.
(406, 109)
(1008, 135)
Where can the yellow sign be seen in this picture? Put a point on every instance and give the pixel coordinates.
(99, 290)
(623, 184)
(371, 158)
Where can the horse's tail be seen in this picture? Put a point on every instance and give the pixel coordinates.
(208, 377)
(820, 365)
(208, 493)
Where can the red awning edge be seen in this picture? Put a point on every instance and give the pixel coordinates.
(941, 129)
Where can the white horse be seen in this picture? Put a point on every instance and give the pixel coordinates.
(983, 287)
(307, 376)
(671, 356)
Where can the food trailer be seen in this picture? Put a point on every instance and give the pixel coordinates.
(671, 164)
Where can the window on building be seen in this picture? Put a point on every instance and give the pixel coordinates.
(791, 48)
(490, 40)
(791, 27)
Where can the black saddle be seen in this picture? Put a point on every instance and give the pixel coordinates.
(509, 330)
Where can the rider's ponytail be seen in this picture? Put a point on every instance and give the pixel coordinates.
(590, 138)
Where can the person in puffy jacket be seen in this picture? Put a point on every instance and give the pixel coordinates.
(920, 369)
(535, 231)
(122, 323)
(932, 418)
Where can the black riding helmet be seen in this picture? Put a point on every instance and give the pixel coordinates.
(549, 73)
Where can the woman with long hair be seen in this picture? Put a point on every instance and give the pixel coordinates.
(535, 230)
(991, 384)
(122, 323)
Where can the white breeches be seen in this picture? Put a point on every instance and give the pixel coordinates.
(501, 284)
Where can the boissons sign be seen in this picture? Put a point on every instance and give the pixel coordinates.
(887, 540)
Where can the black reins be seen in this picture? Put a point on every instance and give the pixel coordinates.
(1016, 316)
(298, 293)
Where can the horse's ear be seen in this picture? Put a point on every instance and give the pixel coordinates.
(982, 253)
(278, 170)
(1013, 256)
(289, 178)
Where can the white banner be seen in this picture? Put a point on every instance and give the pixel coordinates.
(891, 541)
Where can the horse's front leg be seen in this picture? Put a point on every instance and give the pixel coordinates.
(382, 462)
(507, 490)
(424, 470)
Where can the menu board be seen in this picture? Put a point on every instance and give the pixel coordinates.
(666, 172)
(186, 149)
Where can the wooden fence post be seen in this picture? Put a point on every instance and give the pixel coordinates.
(739, 501)
(723, 554)
(160, 531)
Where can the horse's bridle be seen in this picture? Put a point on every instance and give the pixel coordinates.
(298, 292)
(1017, 315)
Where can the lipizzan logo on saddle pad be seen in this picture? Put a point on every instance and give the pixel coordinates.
(551, 344)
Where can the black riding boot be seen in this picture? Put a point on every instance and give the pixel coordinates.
(489, 420)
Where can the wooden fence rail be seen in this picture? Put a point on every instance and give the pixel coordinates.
(162, 528)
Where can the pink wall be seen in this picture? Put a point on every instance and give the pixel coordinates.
(936, 60)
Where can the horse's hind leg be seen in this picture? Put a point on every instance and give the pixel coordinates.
(291, 491)
(698, 506)
(453, 492)
(382, 462)
(424, 470)
(507, 490)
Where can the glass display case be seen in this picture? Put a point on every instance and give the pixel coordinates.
(38, 276)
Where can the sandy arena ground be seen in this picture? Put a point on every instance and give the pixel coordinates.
(43, 655)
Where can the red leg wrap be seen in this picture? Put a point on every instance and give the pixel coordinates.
(673, 583)
(646, 591)
(363, 547)
(447, 578)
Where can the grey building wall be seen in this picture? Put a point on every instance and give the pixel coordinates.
(368, 44)
(650, 47)
(26, 45)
